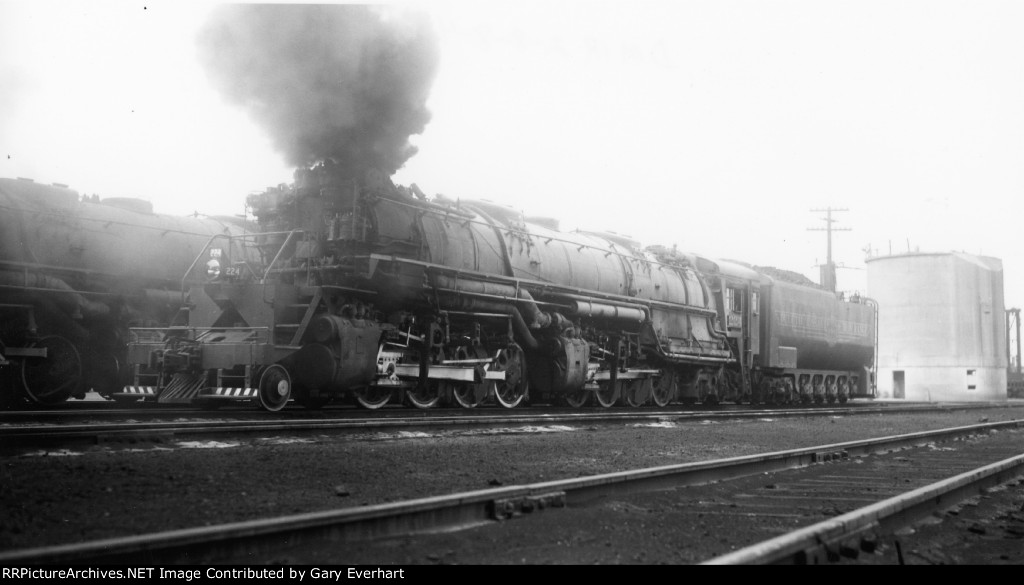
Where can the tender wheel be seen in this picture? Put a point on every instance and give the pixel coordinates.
(427, 397)
(469, 395)
(607, 394)
(806, 393)
(511, 391)
(577, 398)
(372, 397)
(275, 388)
(832, 390)
(788, 392)
(55, 378)
(665, 386)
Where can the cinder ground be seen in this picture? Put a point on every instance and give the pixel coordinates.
(117, 490)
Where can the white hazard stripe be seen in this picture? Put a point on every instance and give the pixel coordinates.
(233, 392)
(147, 390)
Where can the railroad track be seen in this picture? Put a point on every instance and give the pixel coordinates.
(858, 531)
(18, 433)
(569, 520)
(84, 411)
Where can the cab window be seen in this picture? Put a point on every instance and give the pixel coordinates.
(734, 298)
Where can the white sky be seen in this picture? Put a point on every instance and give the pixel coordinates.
(716, 126)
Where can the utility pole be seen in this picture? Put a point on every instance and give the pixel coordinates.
(828, 270)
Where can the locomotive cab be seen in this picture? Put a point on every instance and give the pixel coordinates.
(736, 289)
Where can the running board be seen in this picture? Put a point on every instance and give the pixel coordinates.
(454, 373)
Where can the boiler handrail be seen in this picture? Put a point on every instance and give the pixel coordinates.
(280, 250)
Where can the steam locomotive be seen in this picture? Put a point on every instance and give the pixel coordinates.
(75, 273)
(373, 292)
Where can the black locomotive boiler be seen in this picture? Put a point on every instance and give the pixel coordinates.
(374, 292)
(75, 273)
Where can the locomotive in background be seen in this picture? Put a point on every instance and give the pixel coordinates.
(75, 274)
(372, 291)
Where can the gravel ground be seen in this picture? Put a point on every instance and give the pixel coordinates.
(694, 524)
(117, 490)
(986, 530)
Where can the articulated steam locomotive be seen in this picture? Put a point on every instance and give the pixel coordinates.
(75, 274)
(370, 291)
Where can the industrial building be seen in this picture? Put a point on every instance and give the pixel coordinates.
(941, 326)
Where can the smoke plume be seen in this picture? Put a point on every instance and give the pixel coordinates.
(348, 83)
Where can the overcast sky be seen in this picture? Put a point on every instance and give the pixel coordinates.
(715, 126)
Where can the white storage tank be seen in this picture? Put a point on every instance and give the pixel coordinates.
(941, 326)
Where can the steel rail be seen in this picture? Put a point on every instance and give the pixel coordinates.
(449, 512)
(821, 542)
(12, 434)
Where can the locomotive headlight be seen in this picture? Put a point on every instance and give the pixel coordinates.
(213, 269)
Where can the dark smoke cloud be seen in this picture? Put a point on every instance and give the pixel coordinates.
(342, 82)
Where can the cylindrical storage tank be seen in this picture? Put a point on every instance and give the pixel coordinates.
(941, 326)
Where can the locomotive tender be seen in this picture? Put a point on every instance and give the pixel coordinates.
(371, 291)
(75, 274)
